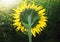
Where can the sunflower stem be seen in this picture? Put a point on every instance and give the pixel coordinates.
(30, 35)
(29, 29)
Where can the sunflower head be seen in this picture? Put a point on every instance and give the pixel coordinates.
(29, 15)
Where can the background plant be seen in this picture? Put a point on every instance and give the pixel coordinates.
(50, 34)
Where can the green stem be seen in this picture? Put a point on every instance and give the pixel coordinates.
(30, 35)
(29, 32)
(29, 29)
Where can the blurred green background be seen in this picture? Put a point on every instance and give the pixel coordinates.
(50, 34)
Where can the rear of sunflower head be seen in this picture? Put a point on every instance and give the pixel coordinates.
(29, 18)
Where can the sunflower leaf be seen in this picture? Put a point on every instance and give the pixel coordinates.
(26, 25)
(35, 19)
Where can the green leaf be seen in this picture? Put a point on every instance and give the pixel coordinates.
(35, 19)
(26, 25)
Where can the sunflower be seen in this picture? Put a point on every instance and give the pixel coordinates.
(20, 17)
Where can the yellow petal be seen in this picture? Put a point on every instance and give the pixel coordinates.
(41, 11)
(22, 29)
(39, 8)
(18, 28)
(32, 6)
(17, 20)
(33, 32)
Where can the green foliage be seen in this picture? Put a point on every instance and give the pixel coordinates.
(50, 34)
